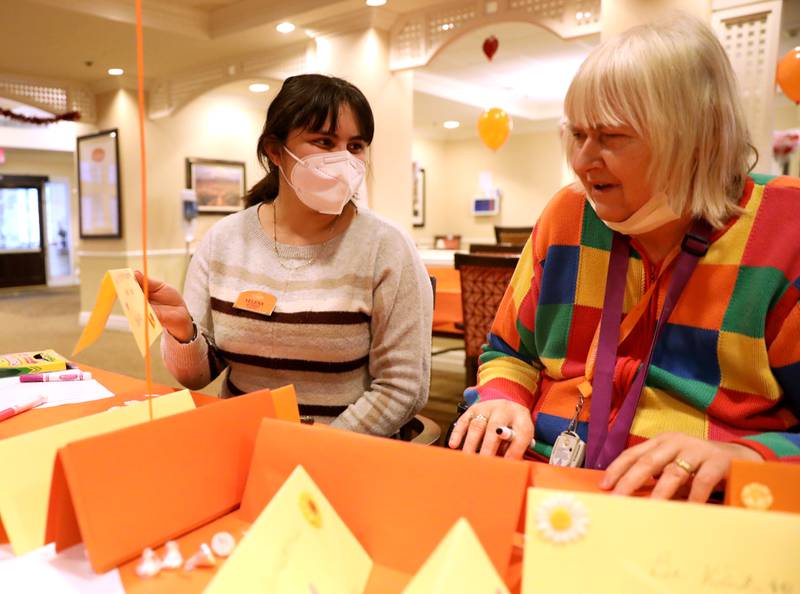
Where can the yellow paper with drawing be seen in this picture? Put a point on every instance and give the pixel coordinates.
(26, 464)
(458, 564)
(297, 544)
(631, 544)
(120, 283)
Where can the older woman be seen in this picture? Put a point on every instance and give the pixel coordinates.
(652, 326)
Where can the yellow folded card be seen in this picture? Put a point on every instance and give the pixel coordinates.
(120, 283)
(298, 544)
(590, 542)
(458, 564)
(26, 464)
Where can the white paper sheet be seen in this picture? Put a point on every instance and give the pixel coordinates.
(13, 392)
(67, 572)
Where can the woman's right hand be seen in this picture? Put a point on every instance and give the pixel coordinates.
(169, 306)
(480, 422)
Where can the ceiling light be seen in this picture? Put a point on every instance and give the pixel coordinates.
(579, 15)
(451, 124)
(259, 88)
(116, 71)
(376, 2)
(285, 27)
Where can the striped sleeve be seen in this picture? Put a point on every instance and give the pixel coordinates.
(509, 367)
(197, 363)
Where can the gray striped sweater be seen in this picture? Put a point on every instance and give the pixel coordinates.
(351, 329)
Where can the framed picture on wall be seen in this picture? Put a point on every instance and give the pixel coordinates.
(99, 195)
(418, 196)
(219, 185)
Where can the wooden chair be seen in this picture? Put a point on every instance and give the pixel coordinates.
(484, 279)
(512, 235)
(495, 248)
(421, 430)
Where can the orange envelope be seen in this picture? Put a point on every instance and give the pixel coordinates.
(131, 489)
(764, 485)
(398, 499)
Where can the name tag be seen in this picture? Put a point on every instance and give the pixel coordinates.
(256, 301)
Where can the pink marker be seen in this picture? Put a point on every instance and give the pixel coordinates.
(72, 376)
(7, 413)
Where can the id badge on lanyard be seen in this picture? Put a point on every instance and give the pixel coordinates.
(606, 444)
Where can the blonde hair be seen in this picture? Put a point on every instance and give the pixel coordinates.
(672, 82)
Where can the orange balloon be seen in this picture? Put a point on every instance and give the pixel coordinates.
(788, 74)
(494, 127)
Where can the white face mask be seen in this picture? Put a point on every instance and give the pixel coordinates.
(326, 182)
(651, 215)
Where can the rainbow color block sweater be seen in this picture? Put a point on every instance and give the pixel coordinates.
(727, 364)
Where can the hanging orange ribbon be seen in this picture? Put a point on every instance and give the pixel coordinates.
(143, 182)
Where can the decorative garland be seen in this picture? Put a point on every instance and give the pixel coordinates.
(70, 116)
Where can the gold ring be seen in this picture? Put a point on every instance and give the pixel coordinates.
(480, 418)
(684, 465)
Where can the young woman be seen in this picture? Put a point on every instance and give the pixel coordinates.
(302, 287)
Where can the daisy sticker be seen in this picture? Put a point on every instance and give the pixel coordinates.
(562, 519)
(756, 496)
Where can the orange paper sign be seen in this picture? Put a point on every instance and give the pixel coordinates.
(764, 485)
(139, 487)
(373, 484)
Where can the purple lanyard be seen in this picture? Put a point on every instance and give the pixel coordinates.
(606, 444)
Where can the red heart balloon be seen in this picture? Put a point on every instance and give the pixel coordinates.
(490, 45)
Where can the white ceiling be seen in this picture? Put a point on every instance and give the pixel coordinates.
(528, 75)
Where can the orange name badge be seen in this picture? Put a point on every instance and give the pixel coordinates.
(256, 301)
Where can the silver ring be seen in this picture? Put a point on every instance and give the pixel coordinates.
(480, 418)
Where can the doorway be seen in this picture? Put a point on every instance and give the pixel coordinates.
(58, 233)
(22, 249)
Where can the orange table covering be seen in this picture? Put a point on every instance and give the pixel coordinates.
(124, 388)
(447, 313)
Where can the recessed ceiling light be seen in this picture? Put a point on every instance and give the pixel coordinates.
(376, 2)
(451, 124)
(285, 27)
(259, 88)
(116, 71)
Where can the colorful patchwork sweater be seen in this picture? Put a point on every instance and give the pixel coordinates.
(727, 365)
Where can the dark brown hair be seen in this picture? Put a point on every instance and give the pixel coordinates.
(307, 102)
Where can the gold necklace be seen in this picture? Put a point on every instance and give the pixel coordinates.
(275, 241)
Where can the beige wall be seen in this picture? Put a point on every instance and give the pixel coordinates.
(55, 164)
(619, 15)
(528, 171)
(217, 125)
(363, 59)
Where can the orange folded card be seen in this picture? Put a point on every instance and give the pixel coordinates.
(764, 485)
(141, 486)
(399, 499)
(565, 478)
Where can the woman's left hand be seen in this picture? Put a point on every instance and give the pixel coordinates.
(679, 462)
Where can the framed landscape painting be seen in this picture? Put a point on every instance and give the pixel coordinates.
(219, 185)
